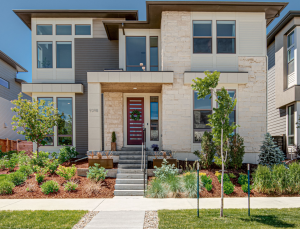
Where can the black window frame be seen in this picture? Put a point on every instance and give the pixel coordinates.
(203, 37)
(226, 37)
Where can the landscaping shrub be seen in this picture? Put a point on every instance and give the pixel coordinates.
(66, 153)
(208, 187)
(70, 186)
(280, 178)
(52, 165)
(17, 178)
(263, 179)
(40, 159)
(243, 179)
(270, 153)
(2, 164)
(96, 173)
(6, 187)
(25, 169)
(7, 154)
(30, 187)
(12, 162)
(228, 187)
(174, 185)
(24, 159)
(157, 189)
(190, 184)
(92, 188)
(236, 151)
(245, 187)
(206, 179)
(208, 150)
(49, 186)
(294, 178)
(231, 175)
(165, 170)
(66, 172)
(225, 178)
(41, 174)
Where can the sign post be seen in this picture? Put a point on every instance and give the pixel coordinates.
(198, 189)
(248, 166)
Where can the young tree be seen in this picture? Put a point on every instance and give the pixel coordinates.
(219, 120)
(35, 119)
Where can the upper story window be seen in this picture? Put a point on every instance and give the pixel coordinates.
(135, 53)
(82, 29)
(226, 37)
(202, 37)
(64, 54)
(4, 83)
(44, 54)
(153, 53)
(63, 30)
(44, 30)
(290, 52)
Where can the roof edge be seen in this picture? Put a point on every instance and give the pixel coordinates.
(11, 62)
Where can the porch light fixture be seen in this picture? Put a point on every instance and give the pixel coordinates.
(134, 88)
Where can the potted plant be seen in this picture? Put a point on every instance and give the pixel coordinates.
(113, 141)
(157, 161)
(98, 158)
(155, 147)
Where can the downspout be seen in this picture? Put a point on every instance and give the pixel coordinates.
(267, 75)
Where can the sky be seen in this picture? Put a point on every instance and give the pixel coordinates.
(15, 36)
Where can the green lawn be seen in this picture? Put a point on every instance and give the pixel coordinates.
(235, 218)
(2, 177)
(40, 219)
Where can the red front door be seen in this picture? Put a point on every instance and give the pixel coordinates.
(135, 128)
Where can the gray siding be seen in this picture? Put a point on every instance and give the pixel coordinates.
(276, 117)
(6, 95)
(91, 55)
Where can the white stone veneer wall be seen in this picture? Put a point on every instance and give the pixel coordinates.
(113, 118)
(176, 97)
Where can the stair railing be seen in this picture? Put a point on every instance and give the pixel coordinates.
(143, 162)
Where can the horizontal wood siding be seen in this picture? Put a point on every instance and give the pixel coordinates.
(91, 55)
(276, 117)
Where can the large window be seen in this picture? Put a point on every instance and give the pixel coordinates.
(135, 53)
(291, 125)
(225, 36)
(290, 52)
(4, 83)
(82, 29)
(64, 54)
(44, 55)
(202, 108)
(154, 133)
(153, 53)
(232, 116)
(65, 127)
(63, 30)
(44, 30)
(202, 37)
(49, 138)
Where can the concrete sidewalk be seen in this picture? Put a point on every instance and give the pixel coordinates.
(145, 204)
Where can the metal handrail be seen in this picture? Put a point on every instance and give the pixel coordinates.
(143, 162)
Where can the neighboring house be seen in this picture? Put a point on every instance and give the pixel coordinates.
(10, 87)
(283, 43)
(98, 66)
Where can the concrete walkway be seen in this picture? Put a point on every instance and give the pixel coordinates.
(144, 204)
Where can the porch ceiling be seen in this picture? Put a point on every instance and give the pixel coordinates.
(128, 87)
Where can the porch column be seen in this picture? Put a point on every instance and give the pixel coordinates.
(94, 117)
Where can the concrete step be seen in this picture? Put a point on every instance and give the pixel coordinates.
(129, 187)
(129, 166)
(130, 181)
(131, 148)
(129, 176)
(130, 153)
(130, 157)
(120, 170)
(130, 162)
(129, 192)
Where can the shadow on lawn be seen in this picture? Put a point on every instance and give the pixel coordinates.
(268, 220)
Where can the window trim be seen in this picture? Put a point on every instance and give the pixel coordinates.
(226, 37)
(150, 54)
(157, 117)
(71, 54)
(83, 34)
(126, 54)
(211, 37)
(60, 135)
(288, 136)
(288, 49)
(53, 127)
(37, 54)
(8, 83)
(204, 129)
(43, 34)
(63, 34)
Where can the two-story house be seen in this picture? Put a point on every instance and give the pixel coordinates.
(284, 80)
(10, 87)
(99, 66)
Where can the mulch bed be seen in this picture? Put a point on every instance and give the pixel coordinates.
(83, 164)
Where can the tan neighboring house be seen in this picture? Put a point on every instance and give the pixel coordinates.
(10, 87)
(283, 43)
(99, 66)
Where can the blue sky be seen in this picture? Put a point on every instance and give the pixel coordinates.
(15, 37)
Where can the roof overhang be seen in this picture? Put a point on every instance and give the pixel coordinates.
(26, 15)
(155, 8)
(11, 62)
(281, 24)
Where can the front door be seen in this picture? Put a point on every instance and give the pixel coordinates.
(135, 127)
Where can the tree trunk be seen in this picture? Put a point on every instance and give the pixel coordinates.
(222, 192)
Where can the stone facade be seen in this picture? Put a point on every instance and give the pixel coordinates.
(113, 118)
(252, 111)
(176, 97)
